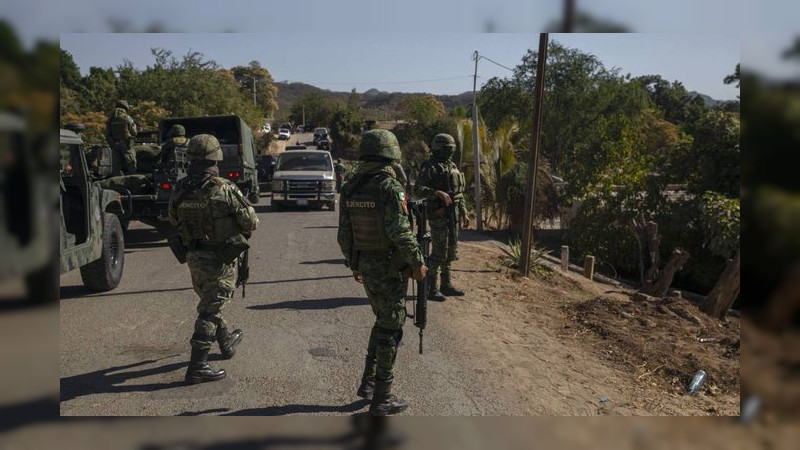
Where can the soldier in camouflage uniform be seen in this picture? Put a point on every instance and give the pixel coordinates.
(176, 137)
(379, 247)
(120, 131)
(214, 221)
(441, 183)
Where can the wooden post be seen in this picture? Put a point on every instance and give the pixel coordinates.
(588, 267)
(726, 290)
(533, 160)
(565, 258)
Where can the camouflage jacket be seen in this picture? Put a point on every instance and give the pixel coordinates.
(227, 210)
(395, 217)
(433, 176)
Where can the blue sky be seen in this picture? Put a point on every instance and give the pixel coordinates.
(438, 63)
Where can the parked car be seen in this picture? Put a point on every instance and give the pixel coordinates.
(300, 129)
(304, 178)
(284, 134)
(321, 133)
(266, 129)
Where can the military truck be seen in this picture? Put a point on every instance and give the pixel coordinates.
(28, 210)
(238, 147)
(146, 193)
(91, 234)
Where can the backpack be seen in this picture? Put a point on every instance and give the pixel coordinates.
(120, 125)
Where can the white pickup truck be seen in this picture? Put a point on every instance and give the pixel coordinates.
(304, 178)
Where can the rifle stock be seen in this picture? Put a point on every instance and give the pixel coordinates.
(243, 272)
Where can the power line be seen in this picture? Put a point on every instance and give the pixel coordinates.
(387, 82)
(495, 62)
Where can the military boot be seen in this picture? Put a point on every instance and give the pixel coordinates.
(447, 285)
(367, 387)
(199, 371)
(228, 341)
(433, 289)
(383, 402)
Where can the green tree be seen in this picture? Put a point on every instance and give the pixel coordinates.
(354, 101)
(717, 154)
(70, 73)
(422, 109)
(316, 109)
(266, 90)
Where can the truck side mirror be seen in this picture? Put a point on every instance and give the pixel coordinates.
(101, 164)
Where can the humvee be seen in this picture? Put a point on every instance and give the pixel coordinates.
(91, 233)
(28, 215)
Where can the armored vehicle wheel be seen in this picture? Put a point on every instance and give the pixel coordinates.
(106, 273)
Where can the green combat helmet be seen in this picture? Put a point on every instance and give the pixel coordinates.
(123, 104)
(381, 143)
(177, 130)
(443, 144)
(204, 146)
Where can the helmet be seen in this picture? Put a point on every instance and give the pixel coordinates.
(177, 130)
(381, 143)
(123, 104)
(204, 146)
(443, 142)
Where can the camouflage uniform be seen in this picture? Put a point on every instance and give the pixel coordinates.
(175, 138)
(440, 173)
(120, 131)
(376, 239)
(210, 214)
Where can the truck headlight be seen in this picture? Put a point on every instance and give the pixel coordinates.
(328, 185)
(277, 185)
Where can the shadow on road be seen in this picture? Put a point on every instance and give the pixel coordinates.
(106, 381)
(314, 304)
(298, 280)
(288, 409)
(335, 227)
(33, 412)
(70, 292)
(339, 261)
(144, 235)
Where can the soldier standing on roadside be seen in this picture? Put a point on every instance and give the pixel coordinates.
(214, 222)
(120, 131)
(379, 247)
(442, 184)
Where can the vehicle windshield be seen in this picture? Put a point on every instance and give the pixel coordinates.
(303, 161)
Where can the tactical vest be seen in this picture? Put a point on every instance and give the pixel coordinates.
(446, 177)
(367, 210)
(120, 128)
(197, 219)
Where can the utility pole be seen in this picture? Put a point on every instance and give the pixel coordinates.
(533, 162)
(476, 157)
(569, 16)
(304, 115)
(254, 91)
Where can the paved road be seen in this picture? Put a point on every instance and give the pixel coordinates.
(305, 322)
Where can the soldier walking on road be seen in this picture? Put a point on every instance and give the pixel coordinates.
(214, 222)
(120, 131)
(339, 170)
(441, 183)
(379, 247)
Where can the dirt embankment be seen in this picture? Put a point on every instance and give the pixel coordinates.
(576, 347)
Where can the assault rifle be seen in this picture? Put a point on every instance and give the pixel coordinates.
(243, 272)
(450, 214)
(418, 217)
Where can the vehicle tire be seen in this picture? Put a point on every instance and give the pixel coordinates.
(276, 206)
(332, 205)
(255, 196)
(106, 273)
(43, 284)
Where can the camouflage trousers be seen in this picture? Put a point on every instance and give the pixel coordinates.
(214, 282)
(386, 290)
(123, 159)
(445, 250)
